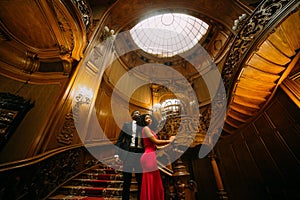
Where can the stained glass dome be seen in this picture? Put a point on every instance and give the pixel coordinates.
(169, 34)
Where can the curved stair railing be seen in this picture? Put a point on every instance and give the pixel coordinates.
(37, 177)
(259, 59)
(106, 182)
(98, 182)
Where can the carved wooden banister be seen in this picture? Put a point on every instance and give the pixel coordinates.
(180, 185)
(251, 33)
(190, 131)
(37, 177)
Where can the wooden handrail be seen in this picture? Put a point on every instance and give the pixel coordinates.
(164, 169)
(45, 172)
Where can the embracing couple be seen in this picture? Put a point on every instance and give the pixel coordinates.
(136, 148)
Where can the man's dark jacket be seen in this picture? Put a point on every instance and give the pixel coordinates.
(124, 140)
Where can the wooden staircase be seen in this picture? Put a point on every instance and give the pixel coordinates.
(100, 182)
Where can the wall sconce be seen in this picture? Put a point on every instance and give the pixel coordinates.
(239, 22)
(107, 33)
(83, 96)
(81, 99)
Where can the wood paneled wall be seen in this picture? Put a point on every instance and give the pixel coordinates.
(32, 127)
(105, 116)
(262, 161)
(200, 171)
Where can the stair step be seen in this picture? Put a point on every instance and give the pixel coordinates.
(99, 183)
(77, 187)
(67, 197)
(98, 180)
(94, 191)
(105, 171)
(103, 176)
(71, 197)
(88, 180)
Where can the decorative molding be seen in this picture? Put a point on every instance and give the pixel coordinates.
(65, 28)
(32, 62)
(67, 133)
(67, 63)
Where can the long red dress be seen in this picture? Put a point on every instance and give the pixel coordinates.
(152, 187)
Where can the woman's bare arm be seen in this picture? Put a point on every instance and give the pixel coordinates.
(149, 135)
(166, 145)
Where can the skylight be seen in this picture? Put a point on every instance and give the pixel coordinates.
(169, 34)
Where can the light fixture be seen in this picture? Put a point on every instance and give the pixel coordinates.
(107, 33)
(83, 96)
(81, 99)
(239, 22)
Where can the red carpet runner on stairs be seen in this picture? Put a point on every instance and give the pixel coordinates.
(99, 183)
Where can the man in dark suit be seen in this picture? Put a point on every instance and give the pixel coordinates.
(129, 151)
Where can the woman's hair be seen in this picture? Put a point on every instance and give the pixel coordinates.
(143, 123)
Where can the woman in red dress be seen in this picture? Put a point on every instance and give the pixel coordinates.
(152, 187)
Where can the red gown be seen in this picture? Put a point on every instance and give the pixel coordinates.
(152, 187)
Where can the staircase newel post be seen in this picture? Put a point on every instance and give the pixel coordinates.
(182, 182)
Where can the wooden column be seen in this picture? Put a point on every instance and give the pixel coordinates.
(222, 194)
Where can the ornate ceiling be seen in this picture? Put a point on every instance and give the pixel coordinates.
(38, 37)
